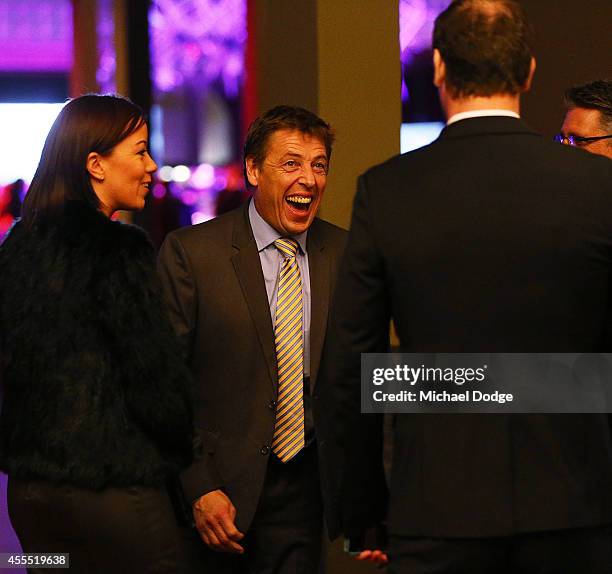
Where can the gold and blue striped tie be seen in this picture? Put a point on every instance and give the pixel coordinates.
(288, 437)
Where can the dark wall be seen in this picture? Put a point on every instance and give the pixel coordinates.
(573, 45)
(138, 60)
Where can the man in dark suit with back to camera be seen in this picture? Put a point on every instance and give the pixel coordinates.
(490, 239)
(249, 294)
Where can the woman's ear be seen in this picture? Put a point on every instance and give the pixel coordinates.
(94, 166)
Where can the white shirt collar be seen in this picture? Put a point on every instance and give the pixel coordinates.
(480, 114)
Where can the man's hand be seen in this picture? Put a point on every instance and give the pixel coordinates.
(376, 556)
(214, 516)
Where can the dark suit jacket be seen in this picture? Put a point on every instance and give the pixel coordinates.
(491, 239)
(217, 299)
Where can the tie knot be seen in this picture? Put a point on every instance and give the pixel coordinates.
(287, 246)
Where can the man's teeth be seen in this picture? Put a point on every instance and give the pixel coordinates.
(299, 199)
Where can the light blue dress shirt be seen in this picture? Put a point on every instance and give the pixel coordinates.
(271, 260)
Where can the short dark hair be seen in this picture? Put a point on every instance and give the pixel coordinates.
(595, 95)
(283, 118)
(486, 46)
(89, 123)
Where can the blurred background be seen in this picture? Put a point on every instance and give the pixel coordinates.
(204, 69)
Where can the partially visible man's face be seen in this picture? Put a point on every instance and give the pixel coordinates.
(584, 122)
(290, 181)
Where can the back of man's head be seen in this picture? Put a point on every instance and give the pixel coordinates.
(595, 95)
(486, 46)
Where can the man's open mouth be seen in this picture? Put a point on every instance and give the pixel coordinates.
(299, 202)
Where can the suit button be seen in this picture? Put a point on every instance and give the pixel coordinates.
(265, 449)
(272, 405)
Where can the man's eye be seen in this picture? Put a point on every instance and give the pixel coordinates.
(292, 164)
(320, 167)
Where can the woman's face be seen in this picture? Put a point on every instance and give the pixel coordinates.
(126, 174)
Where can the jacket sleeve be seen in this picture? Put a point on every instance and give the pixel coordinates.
(359, 324)
(181, 298)
(179, 291)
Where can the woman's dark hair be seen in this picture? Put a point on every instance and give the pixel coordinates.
(90, 123)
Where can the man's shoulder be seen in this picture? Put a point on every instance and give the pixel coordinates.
(579, 158)
(323, 226)
(570, 168)
(332, 234)
(217, 231)
(449, 154)
(399, 163)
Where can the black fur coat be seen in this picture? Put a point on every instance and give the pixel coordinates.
(94, 392)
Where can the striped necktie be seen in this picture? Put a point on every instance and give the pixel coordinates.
(288, 437)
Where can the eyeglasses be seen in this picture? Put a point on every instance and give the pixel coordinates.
(578, 141)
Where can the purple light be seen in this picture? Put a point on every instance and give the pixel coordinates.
(204, 176)
(200, 217)
(220, 182)
(197, 42)
(417, 19)
(200, 192)
(105, 74)
(36, 36)
(416, 25)
(159, 191)
(8, 539)
(189, 197)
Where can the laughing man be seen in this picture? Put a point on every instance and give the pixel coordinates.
(249, 294)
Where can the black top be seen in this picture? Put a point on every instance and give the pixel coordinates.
(93, 389)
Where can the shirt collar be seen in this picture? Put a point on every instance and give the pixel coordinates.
(480, 114)
(265, 234)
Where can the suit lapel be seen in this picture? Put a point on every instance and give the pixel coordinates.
(319, 269)
(247, 265)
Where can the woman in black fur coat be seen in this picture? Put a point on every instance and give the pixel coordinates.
(96, 413)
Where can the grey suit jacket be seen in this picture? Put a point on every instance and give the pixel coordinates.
(215, 290)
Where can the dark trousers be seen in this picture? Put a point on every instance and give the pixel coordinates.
(577, 551)
(285, 536)
(129, 530)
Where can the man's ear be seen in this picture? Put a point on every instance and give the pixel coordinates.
(439, 68)
(529, 80)
(252, 171)
(94, 166)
